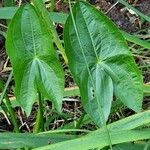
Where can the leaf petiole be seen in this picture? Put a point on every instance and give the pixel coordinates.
(39, 124)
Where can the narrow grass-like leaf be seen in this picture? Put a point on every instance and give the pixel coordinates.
(130, 122)
(134, 9)
(9, 12)
(136, 40)
(1, 85)
(99, 140)
(129, 146)
(20, 140)
(9, 2)
(120, 131)
(5, 87)
(146, 89)
(33, 58)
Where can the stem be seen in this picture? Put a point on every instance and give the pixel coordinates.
(39, 119)
(52, 5)
(12, 114)
(5, 109)
(5, 88)
(8, 104)
(80, 120)
(41, 112)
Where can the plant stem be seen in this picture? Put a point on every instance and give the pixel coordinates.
(41, 112)
(12, 114)
(8, 3)
(39, 119)
(52, 5)
(5, 87)
(8, 104)
(80, 120)
(5, 109)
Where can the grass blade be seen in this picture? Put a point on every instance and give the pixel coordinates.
(135, 10)
(136, 40)
(99, 140)
(120, 131)
(146, 89)
(19, 140)
(5, 87)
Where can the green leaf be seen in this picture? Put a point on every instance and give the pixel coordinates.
(129, 89)
(57, 17)
(146, 17)
(99, 140)
(5, 87)
(134, 39)
(1, 84)
(131, 122)
(9, 2)
(43, 13)
(120, 131)
(34, 61)
(104, 95)
(9, 12)
(129, 146)
(146, 89)
(20, 140)
(94, 44)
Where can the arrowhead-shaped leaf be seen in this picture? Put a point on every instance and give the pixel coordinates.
(34, 61)
(100, 62)
(101, 96)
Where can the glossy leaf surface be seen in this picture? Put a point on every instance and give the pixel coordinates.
(94, 44)
(35, 65)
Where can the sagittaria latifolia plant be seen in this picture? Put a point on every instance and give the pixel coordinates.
(100, 62)
(35, 64)
(98, 57)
